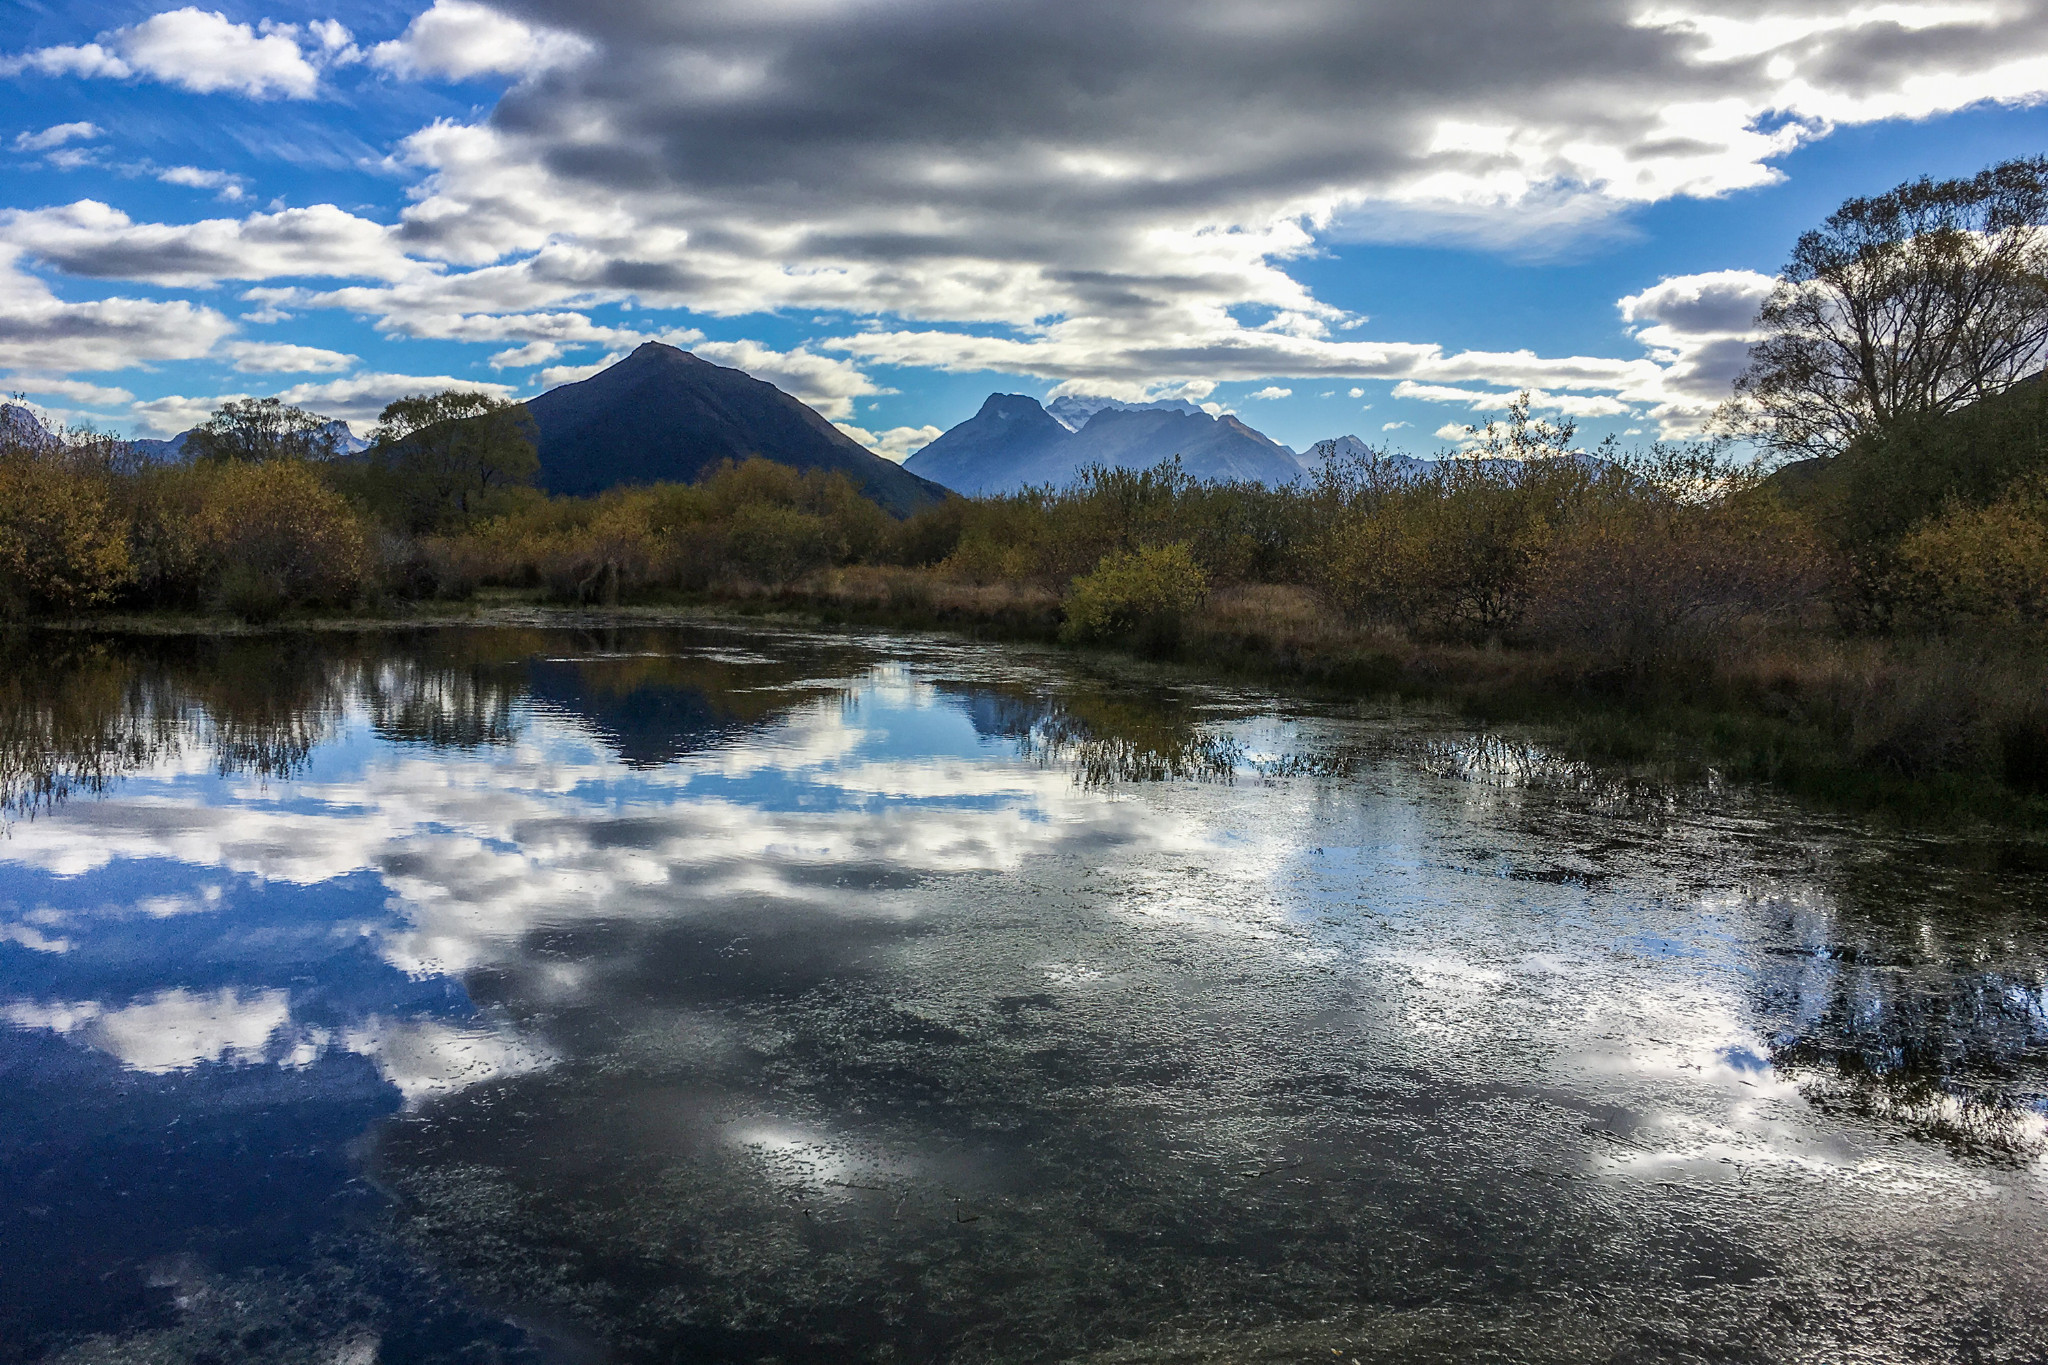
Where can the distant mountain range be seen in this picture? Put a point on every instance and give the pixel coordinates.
(1014, 442)
(662, 414)
(665, 415)
(171, 450)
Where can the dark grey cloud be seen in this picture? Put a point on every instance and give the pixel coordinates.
(1005, 149)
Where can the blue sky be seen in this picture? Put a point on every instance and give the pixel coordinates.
(1384, 218)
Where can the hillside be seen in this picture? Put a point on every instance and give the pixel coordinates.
(664, 415)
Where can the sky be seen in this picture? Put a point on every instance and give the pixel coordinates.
(1331, 217)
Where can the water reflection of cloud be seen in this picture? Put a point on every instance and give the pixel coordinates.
(429, 1057)
(173, 1030)
(837, 804)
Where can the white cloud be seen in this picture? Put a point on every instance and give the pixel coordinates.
(575, 374)
(532, 353)
(1271, 391)
(459, 40)
(56, 136)
(1699, 329)
(1571, 405)
(277, 357)
(362, 397)
(826, 384)
(89, 60)
(42, 333)
(1357, 393)
(192, 177)
(427, 1057)
(1394, 426)
(77, 390)
(199, 50)
(174, 1030)
(169, 415)
(1096, 357)
(96, 240)
(1452, 431)
(897, 443)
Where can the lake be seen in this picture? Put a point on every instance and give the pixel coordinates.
(719, 994)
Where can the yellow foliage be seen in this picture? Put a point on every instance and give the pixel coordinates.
(275, 535)
(63, 545)
(1990, 563)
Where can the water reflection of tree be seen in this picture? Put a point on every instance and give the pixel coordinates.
(1919, 996)
(74, 717)
(262, 704)
(1104, 735)
(78, 714)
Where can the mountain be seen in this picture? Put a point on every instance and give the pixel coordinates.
(1209, 447)
(161, 452)
(20, 427)
(983, 454)
(1073, 413)
(664, 415)
(1015, 443)
(1319, 455)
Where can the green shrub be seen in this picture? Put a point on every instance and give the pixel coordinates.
(1449, 552)
(778, 544)
(1137, 594)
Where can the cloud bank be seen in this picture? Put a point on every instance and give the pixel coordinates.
(1112, 195)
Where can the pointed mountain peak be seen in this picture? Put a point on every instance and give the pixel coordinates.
(665, 415)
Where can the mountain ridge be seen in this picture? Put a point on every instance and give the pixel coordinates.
(1014, 442)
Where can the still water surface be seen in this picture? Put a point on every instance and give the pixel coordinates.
(717, 995)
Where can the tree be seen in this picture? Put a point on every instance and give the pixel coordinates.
(1906, 305)
(448, 457)
(259, 429)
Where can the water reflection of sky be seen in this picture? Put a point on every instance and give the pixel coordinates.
(435, 862)
(853, 925)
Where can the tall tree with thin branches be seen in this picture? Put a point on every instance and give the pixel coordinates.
(1904, 305)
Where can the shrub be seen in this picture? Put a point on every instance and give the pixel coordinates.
(1638, 580)
(1449, 551)
(63, 542)
(275, 536)
(1988, 563)
(1142, 594)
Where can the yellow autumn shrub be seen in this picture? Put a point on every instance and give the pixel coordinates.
(1987, 563)
(63, 542)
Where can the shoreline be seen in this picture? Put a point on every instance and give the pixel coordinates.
(1660, 728)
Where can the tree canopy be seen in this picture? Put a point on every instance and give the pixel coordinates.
(445, 458)
(1902, 306)
(259, 429)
